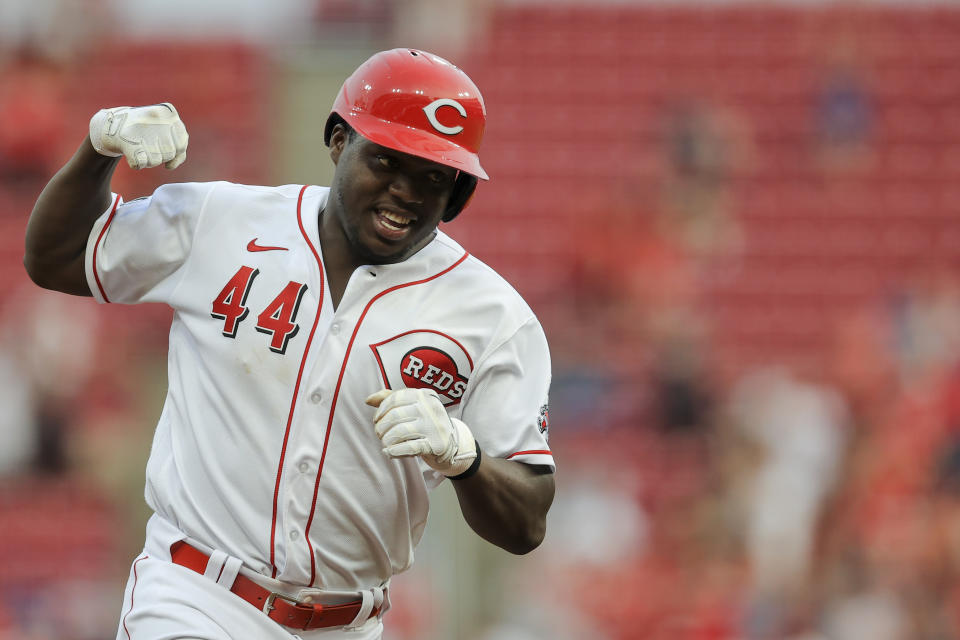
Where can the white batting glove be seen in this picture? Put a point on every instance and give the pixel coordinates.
(413, 422)
(145, 136)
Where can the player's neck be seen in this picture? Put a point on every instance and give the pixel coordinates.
(339, 261)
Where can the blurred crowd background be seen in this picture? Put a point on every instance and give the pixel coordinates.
(738, 223)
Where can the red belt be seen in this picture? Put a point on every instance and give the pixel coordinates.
(278, 607)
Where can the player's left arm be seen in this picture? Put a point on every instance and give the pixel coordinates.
(504, 502)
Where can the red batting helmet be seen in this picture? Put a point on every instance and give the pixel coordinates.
(417, 103)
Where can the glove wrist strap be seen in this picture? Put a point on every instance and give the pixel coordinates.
(472, 469)
(99, 126)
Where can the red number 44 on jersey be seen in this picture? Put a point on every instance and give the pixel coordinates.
(276, 320)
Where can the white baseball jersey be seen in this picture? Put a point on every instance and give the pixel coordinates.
(265, 448)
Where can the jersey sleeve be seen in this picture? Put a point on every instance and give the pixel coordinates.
(506, 405)
(136, 250)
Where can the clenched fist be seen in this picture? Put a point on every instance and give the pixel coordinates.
(145, 136)
(413, 422)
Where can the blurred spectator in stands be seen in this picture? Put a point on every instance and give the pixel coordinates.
(843, 110)
(926, 321)
(17, 429)
(707, 145)
(599, 522)
(946, 515)
(864, 365)
(58, 531)
(47, 344)
(799, 428)
(638, 275)
(638, 354)
(633, 290)
(890, 555)
(32, 113)
(682, 382)
(602, 532)
(865, 608)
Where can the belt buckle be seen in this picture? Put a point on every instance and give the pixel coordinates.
(268, 606)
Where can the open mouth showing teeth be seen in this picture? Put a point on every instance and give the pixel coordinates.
(394, 220)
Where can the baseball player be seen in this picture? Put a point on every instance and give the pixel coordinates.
(332, 357)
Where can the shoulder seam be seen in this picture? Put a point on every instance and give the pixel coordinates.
(193, 236)
(490, 350)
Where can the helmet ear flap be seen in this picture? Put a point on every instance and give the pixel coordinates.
(463, 190)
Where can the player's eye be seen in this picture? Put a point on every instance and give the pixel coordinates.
(438, 178)
(386, 161)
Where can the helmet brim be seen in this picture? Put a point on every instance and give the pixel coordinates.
(416, 142)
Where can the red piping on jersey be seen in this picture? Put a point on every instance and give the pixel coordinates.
(336, 393)
(133, 590)
(383, 372)
(96, 245)
(535, 452)
(296, 389)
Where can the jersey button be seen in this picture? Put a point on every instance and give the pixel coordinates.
(303, 467)
(294, 535)
(316, 397)
(335, 330)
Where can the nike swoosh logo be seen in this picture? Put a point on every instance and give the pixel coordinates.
(253, 246)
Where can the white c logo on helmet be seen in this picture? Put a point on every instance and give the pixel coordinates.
(431, 111)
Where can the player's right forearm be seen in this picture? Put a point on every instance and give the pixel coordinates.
(62, 218)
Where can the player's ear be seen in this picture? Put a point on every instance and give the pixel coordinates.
(338, 140)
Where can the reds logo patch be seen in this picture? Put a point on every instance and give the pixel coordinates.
(425, 359)
(543, 420)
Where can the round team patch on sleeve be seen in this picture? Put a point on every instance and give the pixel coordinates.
(425, 359)
(543, 420)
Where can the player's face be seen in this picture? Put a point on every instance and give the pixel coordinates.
(388, 203)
